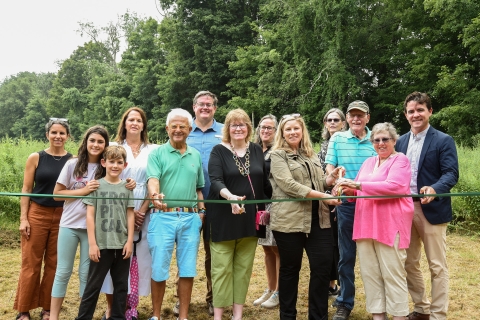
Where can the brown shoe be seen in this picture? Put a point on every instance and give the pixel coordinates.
(418, 316)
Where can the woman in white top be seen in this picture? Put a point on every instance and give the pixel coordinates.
(132, 135)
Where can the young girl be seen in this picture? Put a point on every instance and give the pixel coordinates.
(79, 177)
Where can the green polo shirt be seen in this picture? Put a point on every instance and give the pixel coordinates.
(180, 175)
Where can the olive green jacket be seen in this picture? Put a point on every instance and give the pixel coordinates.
(290, 178)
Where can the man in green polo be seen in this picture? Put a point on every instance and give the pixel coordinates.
(175, 170)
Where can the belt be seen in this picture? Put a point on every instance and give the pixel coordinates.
(416, 199)
(175, 209)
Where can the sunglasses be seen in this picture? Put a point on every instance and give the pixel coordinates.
(384, 140)
(336, 120)
(59, 119)
(293, 115)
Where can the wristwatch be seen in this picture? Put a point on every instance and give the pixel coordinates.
(202, 211)
(358, 185)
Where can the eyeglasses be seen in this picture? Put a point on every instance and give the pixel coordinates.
(238, 126)
(208, 105)
(384, 140)
(293, 115)
(59, 119)
(267, 128)
(336, 120)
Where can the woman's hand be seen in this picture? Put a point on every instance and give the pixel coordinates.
(332, 202)
(92, 185)
(25, 228)
(131, 184)
(237, 208)
(139, 218)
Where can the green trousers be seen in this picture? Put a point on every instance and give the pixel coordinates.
(232, 263)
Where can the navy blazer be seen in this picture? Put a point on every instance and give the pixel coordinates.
(438, 168)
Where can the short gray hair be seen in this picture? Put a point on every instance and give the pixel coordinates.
(179, 112)
(386, 127)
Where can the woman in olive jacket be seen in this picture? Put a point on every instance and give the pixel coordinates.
(296, 173)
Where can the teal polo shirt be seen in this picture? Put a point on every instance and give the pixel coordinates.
(180, 175)
(346, 150)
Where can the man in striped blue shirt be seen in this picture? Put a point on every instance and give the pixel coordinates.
(349, 149)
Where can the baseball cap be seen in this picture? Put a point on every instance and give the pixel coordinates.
(359, 105)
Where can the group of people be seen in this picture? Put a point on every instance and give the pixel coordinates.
(206, 160)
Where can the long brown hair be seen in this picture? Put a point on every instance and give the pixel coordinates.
(81, 167)
(122, 132)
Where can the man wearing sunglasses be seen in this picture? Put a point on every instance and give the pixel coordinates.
(349, 149)
(434, 163)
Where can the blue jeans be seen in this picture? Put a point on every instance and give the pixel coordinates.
(348, 250)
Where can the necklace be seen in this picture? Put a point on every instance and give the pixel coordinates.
(58, 158)
(243, 168)
(137, 149)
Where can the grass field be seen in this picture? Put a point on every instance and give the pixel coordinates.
(463, 256)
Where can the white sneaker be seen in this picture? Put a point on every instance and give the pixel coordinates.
(272, 302)
(266, 294)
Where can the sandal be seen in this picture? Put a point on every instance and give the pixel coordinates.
(23, 316)
(45, 315)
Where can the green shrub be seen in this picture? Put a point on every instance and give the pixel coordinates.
(466, 209)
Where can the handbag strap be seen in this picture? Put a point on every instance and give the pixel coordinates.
(248, 176)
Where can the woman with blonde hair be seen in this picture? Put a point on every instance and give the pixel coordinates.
(237, 172)
(296, 173)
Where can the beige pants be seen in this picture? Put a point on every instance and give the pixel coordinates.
(384, 277)
(434, 238)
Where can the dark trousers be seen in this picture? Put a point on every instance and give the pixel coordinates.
(348, 251)
(319, 247)
(110, 259)
(336, 252)
(208, 271)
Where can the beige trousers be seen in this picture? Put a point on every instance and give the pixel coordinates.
(434, 238)
(384, 277)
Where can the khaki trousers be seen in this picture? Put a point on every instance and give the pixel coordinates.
(434, 238)
(40, 247)
(384, 277)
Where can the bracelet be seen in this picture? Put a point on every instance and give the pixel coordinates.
(202, 211)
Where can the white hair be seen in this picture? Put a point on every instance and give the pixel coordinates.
(179, 112)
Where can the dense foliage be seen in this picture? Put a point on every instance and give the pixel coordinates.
(266, 56)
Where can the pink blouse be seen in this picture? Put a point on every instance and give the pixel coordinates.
(381, 219)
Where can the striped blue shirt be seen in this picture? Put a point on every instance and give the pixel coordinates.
(345, 149)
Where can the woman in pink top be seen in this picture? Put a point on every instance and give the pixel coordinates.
(382, 226)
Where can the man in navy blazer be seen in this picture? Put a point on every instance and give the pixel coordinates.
(434, 163)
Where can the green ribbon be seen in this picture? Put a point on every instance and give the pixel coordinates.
(440, 195)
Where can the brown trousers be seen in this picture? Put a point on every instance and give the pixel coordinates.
(41, 246)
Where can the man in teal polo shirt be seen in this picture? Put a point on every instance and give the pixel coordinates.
(175, 170)
(349, 149)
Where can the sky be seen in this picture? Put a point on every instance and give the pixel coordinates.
(35, 34)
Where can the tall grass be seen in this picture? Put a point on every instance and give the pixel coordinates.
(466, 210)
(13, 156)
